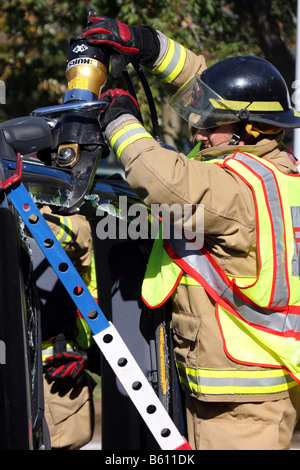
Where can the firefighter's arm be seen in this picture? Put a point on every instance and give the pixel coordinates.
(160, 175)
(131, 142)
(167, 60)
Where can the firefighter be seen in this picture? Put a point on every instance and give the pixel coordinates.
(236, 297)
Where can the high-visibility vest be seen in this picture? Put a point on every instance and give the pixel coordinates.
(260, 320)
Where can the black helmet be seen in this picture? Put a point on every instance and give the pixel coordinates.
(242, 88)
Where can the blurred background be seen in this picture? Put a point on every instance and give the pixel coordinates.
(35, 35)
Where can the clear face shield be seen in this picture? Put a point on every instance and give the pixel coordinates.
(201, 107)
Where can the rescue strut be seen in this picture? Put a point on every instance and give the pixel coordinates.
(104, 333)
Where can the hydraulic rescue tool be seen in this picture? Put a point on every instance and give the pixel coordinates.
(77, 132)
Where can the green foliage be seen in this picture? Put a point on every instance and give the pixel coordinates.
(34, 43)
(35, 34)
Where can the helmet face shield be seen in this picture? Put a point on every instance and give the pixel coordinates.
(201, 107)
(256, 93)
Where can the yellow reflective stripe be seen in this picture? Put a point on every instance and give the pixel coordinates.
(229, 104)
(241, 281)
(187, 280)
(254, 106)
(265, 106)
(234, 382)
(47, 349)
(162, 361)
(127, 135)
(172, 62)
(64, 235)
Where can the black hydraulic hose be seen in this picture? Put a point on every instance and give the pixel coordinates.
(152, 108)
(131, 89)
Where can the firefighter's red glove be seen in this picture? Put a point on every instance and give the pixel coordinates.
(120, 102)
(139, 43)
(64, 365)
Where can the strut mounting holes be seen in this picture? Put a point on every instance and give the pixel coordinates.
(33, 219)
(78, 290)
(107, 338)
(48, 243)
(63, 267)
(93, 314)
(122, 361)
(165, 432)
(151, 409)
(136, 385)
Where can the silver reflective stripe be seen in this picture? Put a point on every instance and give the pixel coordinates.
(295, 212)
(129, 133)
(281, 291)
(48, 352)
(277, 321)
(237, 381)
(241, 382)
(197, 379)
(172, 64)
